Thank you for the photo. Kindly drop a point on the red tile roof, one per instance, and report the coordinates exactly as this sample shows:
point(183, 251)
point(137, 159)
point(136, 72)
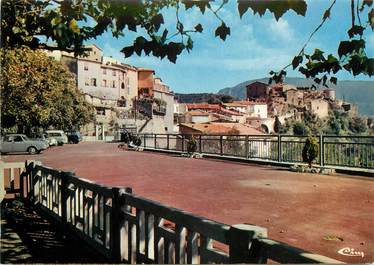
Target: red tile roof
point(221, 128)
point(202, 106)
point(198, 113)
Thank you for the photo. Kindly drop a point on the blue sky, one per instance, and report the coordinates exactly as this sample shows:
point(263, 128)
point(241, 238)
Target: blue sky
point(256, 46)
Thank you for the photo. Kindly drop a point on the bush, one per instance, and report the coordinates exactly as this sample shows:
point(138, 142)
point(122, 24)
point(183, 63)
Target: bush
point(277, 125)
point(310, 150)
point(191, 145)
point(299, 128)
point(136, 140)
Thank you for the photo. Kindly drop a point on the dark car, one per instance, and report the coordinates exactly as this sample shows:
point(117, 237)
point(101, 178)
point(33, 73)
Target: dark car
point(74, 137)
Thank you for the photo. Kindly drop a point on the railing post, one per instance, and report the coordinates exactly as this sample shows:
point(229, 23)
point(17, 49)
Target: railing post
point(321, 151)
point(144, 145)
point(64, 195)
point(242, 244)
point(279, 148)
point(182, 143)
point(221, 144)
point(115, 228)
point(247, 147)
point(2, 184)
point(155, 140)
point(167, 137)
point(200, 148)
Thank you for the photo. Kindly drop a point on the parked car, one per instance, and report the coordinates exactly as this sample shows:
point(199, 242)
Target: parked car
point(40, 137)
point(59, 135)
point(74, 137)
point(12, 143)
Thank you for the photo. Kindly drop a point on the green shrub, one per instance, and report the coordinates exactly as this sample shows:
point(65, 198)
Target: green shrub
point(191, 145)
point(310, 150)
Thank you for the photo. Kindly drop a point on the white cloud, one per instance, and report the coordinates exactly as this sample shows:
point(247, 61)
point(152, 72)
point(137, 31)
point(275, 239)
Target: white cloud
point(280, 29)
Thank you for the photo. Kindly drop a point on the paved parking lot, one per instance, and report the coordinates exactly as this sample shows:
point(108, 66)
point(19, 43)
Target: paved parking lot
point(301, 209)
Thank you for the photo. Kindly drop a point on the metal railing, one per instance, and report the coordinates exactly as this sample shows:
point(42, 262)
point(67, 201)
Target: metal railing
point(334, 151)
point(127, 228)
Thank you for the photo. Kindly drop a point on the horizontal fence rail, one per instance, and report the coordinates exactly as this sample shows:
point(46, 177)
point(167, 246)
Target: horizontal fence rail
point(355, 152)
point(126, 228)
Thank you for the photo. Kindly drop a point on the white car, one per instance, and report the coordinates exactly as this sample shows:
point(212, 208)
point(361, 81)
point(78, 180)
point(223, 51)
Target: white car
point(56, 137)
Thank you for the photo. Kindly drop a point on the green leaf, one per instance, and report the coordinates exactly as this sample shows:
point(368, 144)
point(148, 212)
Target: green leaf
point(371, 18)
point(128, 51)
point(174, 49)
point(139, 45)
point(243, 7)
point(164, 35)
point(202, 4)
point(296, 61)
point(318, 55)
point(189, 45)
point(278, 8)
point(157, 20)
point(356, 30)
point(199, 28)
point(317, 80)
point(74, 26)
point(333, 80)
point(370, 66)
point(348, 47)
point(222, 31)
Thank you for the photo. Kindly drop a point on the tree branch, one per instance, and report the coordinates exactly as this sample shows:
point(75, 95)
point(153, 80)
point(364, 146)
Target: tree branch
point(314, 32)
point(353, 12)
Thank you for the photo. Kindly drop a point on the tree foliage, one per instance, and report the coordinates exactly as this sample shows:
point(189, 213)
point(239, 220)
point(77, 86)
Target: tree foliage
point(310, 150)
point(69, 23)
point(277, 125)
point(39, 92)
point(299, 128)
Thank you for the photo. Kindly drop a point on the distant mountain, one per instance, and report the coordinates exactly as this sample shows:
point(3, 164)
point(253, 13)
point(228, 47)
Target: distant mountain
point(360, 93)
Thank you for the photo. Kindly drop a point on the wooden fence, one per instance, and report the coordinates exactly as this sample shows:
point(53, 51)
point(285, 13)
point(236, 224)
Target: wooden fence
point(126, 228)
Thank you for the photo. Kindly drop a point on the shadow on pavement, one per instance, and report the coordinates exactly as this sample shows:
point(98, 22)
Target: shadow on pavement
point(26, 237)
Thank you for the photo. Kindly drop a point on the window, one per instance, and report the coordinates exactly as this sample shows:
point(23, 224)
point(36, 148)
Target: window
point(104, 71)
point(122, 85)
point(93, 81)
point(113, 84)
point(18, 138)
point(104, 84)
point(87, 81)
point(86, 66)
point(114, 73)
point(100, 111)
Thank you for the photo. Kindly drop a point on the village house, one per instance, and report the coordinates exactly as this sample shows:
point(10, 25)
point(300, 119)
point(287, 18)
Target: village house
point(197, 116)
point(117, 86)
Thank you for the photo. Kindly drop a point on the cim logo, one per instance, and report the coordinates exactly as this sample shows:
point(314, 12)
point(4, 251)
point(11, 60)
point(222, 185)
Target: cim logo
point(351, 252)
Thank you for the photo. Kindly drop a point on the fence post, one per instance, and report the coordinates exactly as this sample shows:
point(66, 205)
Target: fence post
point(279, 148)
point(200, 148)
point(242, 244)
point(144, 145)
point(221, 144)
point(2, 184)
point(247, 147)
point(115, 228)
point(64, 194)
point(182, 143)
point(155, 136)
point(321, 151)
point(167, 137)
